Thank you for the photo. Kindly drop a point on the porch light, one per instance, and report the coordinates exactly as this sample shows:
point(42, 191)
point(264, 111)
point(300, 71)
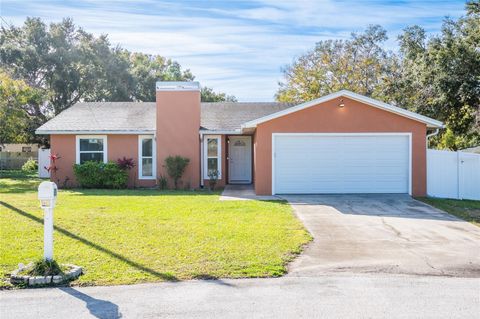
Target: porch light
point(341, 104)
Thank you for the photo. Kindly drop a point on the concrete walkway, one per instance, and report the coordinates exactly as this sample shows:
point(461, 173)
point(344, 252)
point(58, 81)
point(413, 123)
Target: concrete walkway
point(243, 192)
point(383, 234)
point(347, 296)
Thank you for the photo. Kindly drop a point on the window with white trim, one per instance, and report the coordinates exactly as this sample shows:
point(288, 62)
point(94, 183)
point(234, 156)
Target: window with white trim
point(146, 157)
point(212, 155)
point(91, 148)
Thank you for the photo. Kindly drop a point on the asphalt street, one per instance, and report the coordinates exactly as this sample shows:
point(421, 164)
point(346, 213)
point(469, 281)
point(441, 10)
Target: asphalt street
point(332, 296)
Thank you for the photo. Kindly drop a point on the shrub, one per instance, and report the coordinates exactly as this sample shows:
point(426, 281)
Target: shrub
point(30, 165)
point(162, 182)
point(176, 166)
point(100, 175)
point(89, 174)
point(213, 179)
point(126, 163)
point(114, 176)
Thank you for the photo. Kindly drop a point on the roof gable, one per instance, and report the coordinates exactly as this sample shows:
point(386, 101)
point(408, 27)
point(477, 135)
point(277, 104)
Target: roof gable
point(354, 96)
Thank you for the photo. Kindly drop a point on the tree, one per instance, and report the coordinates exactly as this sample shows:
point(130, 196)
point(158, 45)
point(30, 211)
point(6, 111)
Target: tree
point(440, 78)
point(147, 69)
point(357, 64)
point(65, 64)
point(64, 61)
point(208, 95)
point(17, 120)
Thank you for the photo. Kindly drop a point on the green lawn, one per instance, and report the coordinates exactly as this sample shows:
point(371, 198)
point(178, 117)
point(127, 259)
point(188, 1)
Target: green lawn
point(468, 210)
point(133, 236)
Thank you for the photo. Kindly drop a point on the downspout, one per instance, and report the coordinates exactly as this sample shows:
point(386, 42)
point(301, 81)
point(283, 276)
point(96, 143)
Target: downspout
point(432, 134)
point(201, 160)
point(426, 150)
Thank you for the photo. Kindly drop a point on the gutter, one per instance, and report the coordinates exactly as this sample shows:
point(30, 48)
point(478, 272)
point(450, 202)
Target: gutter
point(92, 132)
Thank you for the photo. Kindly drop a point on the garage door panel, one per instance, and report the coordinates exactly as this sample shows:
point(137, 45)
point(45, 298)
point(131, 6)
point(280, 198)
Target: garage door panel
point(341, 164)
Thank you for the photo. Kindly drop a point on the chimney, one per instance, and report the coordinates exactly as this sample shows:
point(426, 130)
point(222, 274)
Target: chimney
point(178, 124)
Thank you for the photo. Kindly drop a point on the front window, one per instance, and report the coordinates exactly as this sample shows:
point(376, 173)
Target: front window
point(212, 155)
point(146, 157)
point(91, 148)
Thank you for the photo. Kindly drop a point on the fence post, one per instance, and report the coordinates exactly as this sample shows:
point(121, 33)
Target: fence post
point(458, 175)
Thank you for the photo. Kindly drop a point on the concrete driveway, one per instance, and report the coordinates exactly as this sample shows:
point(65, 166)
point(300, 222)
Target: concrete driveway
point(383, 234)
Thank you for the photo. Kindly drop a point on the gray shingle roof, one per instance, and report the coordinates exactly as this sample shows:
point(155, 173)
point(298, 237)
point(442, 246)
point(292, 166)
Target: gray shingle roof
point(231, 115)
point(104, 116)
point(140, 116)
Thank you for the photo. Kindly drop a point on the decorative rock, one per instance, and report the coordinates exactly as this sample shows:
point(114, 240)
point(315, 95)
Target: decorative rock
point(57, 279)
point(73, 273)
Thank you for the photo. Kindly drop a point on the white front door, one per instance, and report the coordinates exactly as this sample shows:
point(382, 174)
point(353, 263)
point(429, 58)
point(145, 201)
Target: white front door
point(240, 159)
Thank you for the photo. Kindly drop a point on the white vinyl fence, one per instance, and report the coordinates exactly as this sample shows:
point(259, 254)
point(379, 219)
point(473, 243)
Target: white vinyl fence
point(43, 162)
point(453, 174)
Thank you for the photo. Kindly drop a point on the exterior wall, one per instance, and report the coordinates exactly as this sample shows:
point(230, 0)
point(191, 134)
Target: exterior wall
point(63, 146)
point(178, 124)
point(118, 147)
point(127, 145)
point(327, 117)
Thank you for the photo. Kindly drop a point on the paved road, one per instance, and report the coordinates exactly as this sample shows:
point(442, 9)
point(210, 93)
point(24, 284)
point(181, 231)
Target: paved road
point(340, 296)
point(383, 234)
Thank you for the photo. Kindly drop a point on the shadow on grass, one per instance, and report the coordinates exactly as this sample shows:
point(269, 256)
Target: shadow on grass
point(98, 308)
point(140, 192)
point(164, 276)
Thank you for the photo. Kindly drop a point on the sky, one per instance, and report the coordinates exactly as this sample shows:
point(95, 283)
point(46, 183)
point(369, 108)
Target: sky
point(236, 47)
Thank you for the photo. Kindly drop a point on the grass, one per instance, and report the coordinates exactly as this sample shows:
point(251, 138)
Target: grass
point(134, 236)
point(468, 210)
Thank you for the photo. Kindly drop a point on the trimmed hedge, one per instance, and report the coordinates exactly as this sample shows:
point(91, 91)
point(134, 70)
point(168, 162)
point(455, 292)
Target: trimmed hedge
point(93, 174)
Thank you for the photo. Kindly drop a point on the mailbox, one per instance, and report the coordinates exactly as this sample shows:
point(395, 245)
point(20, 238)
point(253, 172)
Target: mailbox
point(47, 194)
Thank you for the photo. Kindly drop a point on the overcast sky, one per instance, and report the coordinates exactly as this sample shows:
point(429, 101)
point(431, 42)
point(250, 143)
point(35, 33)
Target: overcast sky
point(237, 47)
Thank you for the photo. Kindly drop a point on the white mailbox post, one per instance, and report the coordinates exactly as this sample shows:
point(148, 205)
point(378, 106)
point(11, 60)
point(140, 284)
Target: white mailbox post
point(47, 194)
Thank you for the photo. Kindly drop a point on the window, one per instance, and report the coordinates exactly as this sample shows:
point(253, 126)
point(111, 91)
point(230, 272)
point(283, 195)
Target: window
point(212, 155)
point(146, 157)
point(91, 148)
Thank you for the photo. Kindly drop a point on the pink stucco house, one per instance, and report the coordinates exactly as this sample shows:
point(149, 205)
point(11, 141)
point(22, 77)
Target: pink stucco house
point(339, 143)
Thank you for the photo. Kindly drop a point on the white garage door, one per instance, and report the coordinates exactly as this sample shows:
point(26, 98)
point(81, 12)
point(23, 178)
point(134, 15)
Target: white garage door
point(344, 163)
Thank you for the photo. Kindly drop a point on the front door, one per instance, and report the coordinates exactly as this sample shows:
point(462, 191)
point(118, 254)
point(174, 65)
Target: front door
point(240, 159)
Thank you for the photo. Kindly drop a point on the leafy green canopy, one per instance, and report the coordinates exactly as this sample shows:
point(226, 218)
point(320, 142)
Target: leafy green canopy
point(61, 64)
point(19, 104)
point(438, 76)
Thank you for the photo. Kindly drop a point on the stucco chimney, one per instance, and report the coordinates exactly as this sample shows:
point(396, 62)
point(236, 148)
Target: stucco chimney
point(178, 124)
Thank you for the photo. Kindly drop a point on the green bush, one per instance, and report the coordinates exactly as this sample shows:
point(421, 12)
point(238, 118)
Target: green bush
point(162, 182)
point(100, 175)
point(30, 166)
point(176, 165)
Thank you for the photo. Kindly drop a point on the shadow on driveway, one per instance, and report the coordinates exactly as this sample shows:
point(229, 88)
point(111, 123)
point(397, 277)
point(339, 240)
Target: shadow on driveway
point(102, 309)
